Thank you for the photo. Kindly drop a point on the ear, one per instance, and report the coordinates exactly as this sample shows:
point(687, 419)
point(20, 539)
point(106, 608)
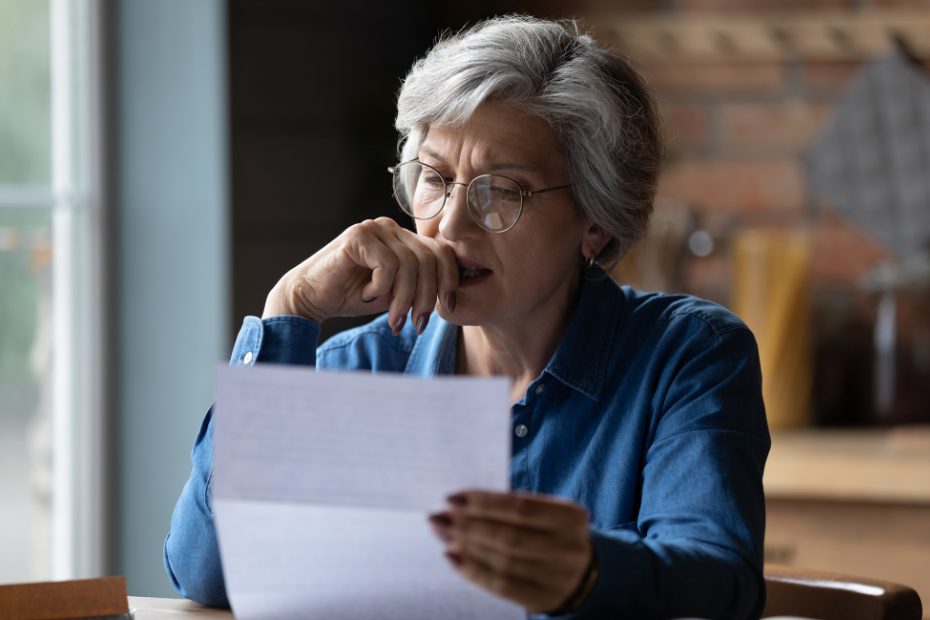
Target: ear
point(595, 238)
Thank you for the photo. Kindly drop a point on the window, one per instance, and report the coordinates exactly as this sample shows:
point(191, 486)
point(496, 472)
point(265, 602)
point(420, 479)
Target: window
point(51, 257)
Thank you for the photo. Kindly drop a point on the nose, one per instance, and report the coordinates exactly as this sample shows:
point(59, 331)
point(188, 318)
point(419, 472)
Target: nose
point(456, 221)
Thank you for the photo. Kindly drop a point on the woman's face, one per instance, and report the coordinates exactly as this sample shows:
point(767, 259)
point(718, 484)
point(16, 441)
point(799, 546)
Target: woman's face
point(532, 269)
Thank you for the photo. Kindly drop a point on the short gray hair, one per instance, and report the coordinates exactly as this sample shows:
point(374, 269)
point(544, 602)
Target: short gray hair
point(599, 107)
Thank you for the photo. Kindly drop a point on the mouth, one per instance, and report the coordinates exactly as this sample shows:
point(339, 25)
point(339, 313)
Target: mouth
point(471, 272)
point(466, 272)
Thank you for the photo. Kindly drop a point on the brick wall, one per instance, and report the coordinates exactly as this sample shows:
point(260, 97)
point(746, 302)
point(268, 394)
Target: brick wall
point(737, 134)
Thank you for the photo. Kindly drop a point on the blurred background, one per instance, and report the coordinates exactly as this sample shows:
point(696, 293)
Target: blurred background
point(163, 163)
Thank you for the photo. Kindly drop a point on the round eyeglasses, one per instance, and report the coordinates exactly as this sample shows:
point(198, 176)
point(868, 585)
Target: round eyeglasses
point(495, 202)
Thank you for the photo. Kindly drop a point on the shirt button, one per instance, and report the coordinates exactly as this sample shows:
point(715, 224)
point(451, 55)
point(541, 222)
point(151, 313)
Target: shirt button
point(521, 430)
point(247, 358)
point(540, 388)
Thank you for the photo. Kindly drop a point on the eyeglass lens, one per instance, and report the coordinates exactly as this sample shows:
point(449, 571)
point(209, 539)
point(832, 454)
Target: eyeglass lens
point(494, 202)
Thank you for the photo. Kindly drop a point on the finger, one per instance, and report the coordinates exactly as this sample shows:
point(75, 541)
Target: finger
point(377, 247)
point(537, 571)
point(448, 275)
point(515, 541)
point(528, 509)
point(405, 282)
point(368, 250)
point(530, 594)
point(426, 291)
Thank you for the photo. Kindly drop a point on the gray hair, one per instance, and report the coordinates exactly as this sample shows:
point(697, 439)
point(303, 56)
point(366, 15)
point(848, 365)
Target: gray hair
point(603, 116)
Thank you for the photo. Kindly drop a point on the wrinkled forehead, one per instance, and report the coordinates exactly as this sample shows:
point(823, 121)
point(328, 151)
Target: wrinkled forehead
point(494, 133)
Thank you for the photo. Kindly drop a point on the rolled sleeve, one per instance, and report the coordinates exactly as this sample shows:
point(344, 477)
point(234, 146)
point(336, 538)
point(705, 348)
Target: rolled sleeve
point(276, 340)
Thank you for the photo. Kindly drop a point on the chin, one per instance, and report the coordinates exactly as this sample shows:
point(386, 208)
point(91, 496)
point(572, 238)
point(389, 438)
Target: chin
point(462, 315)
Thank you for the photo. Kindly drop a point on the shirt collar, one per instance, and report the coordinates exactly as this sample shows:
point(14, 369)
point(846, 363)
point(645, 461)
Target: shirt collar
point(434, 351)
point(581, 359)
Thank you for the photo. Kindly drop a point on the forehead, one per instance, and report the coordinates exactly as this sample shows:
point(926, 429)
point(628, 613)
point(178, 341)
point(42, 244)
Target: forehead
point(496, 133)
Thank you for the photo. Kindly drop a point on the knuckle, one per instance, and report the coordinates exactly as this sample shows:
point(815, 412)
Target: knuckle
point(364, 226)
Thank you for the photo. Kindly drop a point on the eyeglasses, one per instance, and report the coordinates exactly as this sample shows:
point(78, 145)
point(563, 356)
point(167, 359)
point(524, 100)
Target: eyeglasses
point(495, 202)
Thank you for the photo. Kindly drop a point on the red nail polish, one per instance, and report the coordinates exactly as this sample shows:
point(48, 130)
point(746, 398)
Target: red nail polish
point(458, 500)
point(443, 534)
point(442, 519)
point(421, 323)
point(450, 301)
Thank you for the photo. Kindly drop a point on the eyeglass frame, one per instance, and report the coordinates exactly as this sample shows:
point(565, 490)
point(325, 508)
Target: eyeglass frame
point(447, 192)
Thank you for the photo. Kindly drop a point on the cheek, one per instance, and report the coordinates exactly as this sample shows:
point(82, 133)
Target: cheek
point(524, 259)
point(544, 263)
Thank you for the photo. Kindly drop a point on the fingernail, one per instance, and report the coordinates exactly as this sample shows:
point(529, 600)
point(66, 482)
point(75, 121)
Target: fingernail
point(455, 558)
point(399, 323)
point(458, 500)
point(442, 534)
point(368, 300)
point(421, 323)
point(441, 524)
point(450, 301)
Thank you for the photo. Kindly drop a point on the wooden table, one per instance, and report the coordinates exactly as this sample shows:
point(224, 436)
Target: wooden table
point(145, 608)
point(175, 609)
point(854, 502)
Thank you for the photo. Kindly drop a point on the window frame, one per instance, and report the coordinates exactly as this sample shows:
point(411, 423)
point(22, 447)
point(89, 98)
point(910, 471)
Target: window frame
point(79, 250)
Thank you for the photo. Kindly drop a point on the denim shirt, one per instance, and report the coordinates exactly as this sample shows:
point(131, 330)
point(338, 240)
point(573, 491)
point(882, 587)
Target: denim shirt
point(649, 414)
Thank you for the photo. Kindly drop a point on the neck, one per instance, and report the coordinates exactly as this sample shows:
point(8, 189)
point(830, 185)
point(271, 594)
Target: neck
point(518, 349)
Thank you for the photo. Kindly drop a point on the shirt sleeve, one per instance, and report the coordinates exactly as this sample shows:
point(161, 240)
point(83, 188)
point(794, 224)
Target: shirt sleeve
point(696, 549)
point(191, 553)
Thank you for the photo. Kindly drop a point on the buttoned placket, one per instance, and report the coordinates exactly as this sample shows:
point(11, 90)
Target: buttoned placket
point(524, 425)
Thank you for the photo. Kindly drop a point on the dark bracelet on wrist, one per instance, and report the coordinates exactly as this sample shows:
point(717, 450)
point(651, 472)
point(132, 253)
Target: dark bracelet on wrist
point(580, 594)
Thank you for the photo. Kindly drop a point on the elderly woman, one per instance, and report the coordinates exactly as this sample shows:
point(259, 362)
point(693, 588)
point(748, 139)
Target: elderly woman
point(529, 161)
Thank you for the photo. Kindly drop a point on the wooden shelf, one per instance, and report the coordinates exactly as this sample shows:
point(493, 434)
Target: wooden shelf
point(810, 35)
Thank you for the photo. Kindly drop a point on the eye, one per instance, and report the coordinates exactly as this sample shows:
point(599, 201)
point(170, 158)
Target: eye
point(505, 191)
point(432, 180)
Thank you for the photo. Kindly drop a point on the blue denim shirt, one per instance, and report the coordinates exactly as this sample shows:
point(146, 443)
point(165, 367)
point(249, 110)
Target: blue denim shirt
point(649, 414)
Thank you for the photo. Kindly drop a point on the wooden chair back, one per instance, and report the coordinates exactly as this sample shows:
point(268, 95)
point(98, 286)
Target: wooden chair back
point(832, 596)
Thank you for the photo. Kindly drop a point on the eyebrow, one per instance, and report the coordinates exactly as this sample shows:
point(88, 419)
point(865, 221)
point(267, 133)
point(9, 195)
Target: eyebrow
point(493, 165)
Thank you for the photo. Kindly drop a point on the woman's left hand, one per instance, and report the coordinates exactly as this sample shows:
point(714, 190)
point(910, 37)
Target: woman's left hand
point(531, 549)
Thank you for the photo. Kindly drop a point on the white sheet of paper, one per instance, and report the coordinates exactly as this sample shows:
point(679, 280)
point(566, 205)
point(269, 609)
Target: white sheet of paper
point(322, 482)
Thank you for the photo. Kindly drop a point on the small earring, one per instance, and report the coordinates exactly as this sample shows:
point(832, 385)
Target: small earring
point(589, 262)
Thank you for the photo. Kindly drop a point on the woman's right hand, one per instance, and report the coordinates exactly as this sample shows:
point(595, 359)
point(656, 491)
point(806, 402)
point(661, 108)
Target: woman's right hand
point(373, 266)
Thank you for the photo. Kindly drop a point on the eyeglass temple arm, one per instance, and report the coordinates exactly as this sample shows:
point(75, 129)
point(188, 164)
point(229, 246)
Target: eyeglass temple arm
point(530, 192)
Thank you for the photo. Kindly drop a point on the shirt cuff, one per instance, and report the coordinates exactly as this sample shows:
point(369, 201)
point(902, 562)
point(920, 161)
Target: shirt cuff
point(276, 340)
point(616, 580)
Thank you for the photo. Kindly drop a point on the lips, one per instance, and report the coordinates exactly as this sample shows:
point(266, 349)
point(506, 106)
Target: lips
point(469, 269)
point(465, 273)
